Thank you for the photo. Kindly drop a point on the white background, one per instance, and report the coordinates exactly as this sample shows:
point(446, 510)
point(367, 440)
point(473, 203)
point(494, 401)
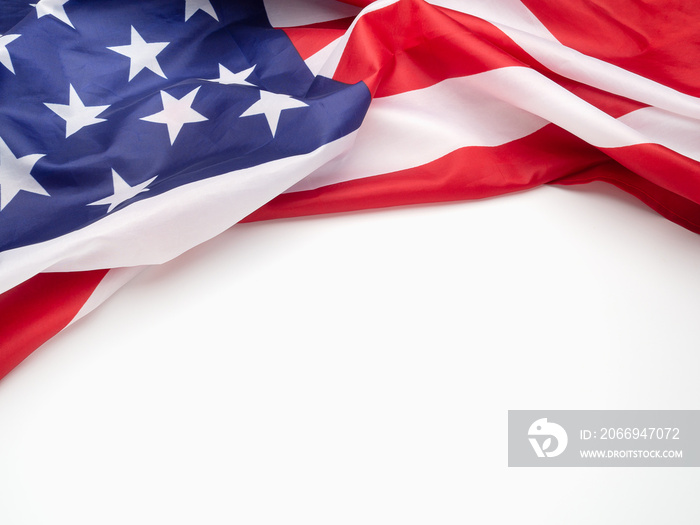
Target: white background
point(358, 369)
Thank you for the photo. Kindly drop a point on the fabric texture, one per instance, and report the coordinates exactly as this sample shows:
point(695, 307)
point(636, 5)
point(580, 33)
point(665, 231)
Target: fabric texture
point(132, 131)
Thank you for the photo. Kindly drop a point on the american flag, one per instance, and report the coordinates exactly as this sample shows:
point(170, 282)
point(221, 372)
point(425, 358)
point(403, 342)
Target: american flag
point(133, 131)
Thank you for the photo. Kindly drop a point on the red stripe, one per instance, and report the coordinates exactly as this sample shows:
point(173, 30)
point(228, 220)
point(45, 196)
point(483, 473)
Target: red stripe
point(466, 173)
point(412, 45)
point(657, 39)
point(674, 207)
point(665, 180)
point(37, 309)
point(393, 54)
point(613, 105)
point(662, 167)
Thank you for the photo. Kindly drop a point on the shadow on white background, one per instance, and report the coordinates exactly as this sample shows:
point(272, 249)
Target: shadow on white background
point(359, 368)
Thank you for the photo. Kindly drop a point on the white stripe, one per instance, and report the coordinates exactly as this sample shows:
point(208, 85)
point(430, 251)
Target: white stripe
point(516, 21)
point(678, 133)
point(162, 227)
point(316, 62)
point(487, 109)
point(527, 89)
point(113, 280)
point(511, 14)
point(291, 13)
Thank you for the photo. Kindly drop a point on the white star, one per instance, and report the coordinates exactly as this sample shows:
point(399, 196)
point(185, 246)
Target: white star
point(271, 105)
point(4, 53)
point(76, 114)
point(53, 7)
point(142, 54)
point(122, 192)
point(228, 78)
point(176, 113)
point(192, 6)
point(15, 175)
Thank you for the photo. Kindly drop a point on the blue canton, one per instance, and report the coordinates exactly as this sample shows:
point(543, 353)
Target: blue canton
point(104, 103)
